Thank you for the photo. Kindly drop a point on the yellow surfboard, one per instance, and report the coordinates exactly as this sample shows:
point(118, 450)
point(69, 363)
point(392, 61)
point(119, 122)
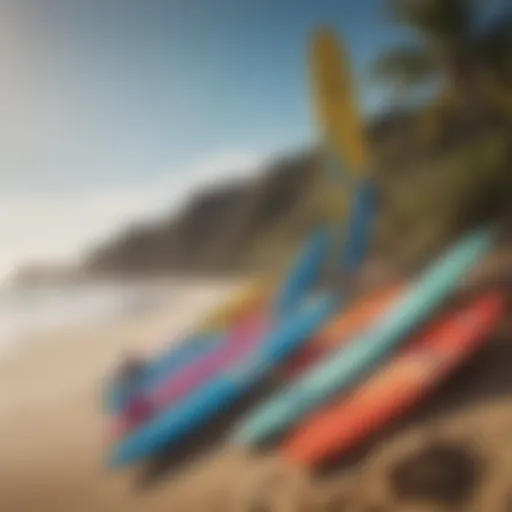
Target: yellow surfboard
point(335, 100)
point(345, 154)
point(248, 299)
point(342, 133)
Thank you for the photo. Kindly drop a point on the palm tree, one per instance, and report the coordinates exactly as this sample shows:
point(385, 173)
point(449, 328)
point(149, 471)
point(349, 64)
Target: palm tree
point(450, 48)
point(496, 46)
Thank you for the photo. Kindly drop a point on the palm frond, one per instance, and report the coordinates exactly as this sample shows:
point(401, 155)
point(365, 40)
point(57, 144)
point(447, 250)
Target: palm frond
point(406, 66)
point(437, 19)
point(495, 47)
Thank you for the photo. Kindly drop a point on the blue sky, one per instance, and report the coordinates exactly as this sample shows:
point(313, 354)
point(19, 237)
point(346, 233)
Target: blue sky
point(116, 109)
point(141, 85)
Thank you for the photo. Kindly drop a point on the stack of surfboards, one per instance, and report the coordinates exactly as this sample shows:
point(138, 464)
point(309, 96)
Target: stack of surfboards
point(345, 368)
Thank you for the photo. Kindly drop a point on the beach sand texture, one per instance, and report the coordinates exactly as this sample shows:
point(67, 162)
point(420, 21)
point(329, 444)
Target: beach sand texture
point(52, 452)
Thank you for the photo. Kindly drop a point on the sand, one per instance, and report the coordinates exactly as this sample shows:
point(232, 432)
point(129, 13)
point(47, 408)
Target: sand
point(52, 443)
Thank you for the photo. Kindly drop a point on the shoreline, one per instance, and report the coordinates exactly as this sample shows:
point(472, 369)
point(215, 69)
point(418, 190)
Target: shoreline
point(50, 402)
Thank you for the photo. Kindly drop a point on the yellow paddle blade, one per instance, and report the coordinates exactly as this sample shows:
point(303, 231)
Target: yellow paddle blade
point(336, 102)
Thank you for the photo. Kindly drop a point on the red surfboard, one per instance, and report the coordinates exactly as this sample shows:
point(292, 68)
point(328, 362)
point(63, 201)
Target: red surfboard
point(396, 388)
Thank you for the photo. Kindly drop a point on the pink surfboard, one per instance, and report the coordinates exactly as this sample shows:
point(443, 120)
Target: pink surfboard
point(244, 338)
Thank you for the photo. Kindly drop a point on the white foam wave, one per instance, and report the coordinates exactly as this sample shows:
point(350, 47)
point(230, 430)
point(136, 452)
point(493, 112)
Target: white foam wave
point(26, 312)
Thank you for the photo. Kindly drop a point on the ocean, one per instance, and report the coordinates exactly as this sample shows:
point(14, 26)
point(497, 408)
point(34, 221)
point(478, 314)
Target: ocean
point(27, 311)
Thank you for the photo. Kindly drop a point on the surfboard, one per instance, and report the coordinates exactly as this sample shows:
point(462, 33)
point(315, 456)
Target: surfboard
point(345, 155)
point(341, 329)
point(156, 370)
point(251, 297)
point(399, 386)
point(292, 330)
point(345, 367)
point(286, 337)
point(335, 99)
point(209, 335)
point(172, 425)
point(174, 359)
point(244, 338)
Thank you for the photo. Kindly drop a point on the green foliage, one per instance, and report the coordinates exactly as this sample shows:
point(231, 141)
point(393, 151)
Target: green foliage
point(437, 19)
point(449, 47)
point(468, 184)
point(405, 66)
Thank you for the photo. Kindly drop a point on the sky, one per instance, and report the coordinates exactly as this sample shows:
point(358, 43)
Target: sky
point(114, 110)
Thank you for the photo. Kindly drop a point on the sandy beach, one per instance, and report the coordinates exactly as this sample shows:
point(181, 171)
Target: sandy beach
point(53, 431)
point(53, 442)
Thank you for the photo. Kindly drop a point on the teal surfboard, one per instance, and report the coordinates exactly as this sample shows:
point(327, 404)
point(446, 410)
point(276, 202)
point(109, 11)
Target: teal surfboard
point(344, 368)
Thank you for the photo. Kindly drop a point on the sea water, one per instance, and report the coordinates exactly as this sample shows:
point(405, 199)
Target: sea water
point(27, 311)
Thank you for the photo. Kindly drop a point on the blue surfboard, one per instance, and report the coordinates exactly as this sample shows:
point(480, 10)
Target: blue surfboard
point(173, 424)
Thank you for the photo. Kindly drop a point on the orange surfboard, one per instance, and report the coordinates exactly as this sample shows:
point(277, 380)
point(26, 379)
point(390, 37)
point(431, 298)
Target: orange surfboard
point(398, 386)
point(353, 320)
